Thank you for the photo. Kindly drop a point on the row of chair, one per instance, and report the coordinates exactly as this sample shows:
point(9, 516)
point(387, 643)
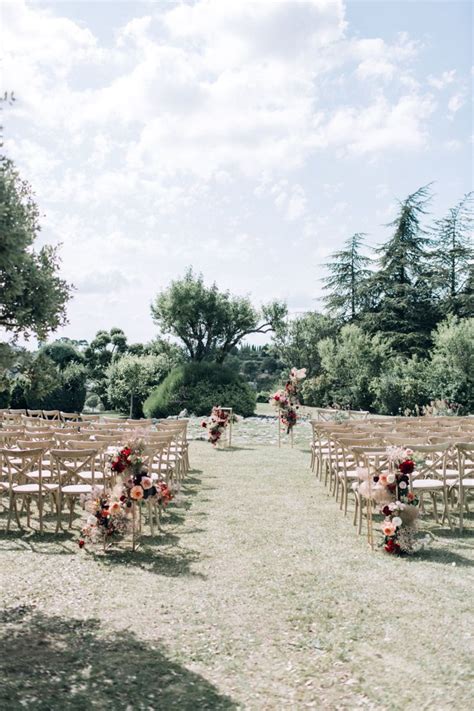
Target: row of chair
point(66, 466)
point(443, 448)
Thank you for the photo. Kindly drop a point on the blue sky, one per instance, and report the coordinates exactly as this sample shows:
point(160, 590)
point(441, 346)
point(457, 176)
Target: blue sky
point(247, 139)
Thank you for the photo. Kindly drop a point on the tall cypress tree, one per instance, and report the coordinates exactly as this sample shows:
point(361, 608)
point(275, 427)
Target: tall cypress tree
point(348, 273)
point(453, 257)
point(405, 306)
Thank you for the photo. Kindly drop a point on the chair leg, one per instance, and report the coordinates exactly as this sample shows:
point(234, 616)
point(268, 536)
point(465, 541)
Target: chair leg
point(72, 501)
point(40, 512)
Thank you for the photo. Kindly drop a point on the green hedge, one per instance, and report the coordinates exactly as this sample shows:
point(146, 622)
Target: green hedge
point(197, 387)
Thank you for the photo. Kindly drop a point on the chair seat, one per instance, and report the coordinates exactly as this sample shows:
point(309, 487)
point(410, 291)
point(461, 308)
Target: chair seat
point(33, 488)
point(88, 475)
point(45, 474)
point(76, 489)
point(428, 484)
point(348, 475)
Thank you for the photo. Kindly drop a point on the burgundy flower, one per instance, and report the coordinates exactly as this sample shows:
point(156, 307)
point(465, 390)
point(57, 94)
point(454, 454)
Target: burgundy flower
point(81, 543)
point(407, 467)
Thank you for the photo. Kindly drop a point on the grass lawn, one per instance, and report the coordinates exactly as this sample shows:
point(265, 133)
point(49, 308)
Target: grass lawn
point(259, 595)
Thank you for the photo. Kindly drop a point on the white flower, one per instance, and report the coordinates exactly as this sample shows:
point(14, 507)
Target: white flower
point(402, 485)
point(397, 521)
point(392, 506)
point(390, 478)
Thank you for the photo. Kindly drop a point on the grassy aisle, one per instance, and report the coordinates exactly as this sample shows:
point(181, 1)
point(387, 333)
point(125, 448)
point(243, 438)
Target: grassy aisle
point(259, 596)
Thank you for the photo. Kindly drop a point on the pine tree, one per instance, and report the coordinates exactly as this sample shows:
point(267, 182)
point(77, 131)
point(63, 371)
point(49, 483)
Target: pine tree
point(348, 275)
point(453, 257)
point(405, 306)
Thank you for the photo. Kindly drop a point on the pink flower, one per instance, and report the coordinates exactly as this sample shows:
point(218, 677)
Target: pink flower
point(388, 528)
point(136, 493)
point(115, 508)
point(146, 482)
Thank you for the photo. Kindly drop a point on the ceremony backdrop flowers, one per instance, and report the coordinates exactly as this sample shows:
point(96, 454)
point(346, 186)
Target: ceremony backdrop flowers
point(287, 399)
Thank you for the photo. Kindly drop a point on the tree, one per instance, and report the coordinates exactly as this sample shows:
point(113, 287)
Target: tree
point(106, 347)
point(131, 379)
point(348, 273)
point(453, 258)
point(62, 352)
point(210, 323)
point(32, 296)
point(296, 341)
point(451, 369)
point(350, 363)
point(403, 287)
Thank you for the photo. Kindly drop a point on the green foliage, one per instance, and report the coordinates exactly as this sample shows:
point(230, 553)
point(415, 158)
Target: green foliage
point(453, 258)
point(62, 353)
point(132, 377)
point(296, 341)
point(210, 323)
point(351, 362)
point(402, 386)
point(44, 385)
point(33, 297)
point(348, 276)
point(198, 387)
point(93, 401)
point(405, 309)
point(451, 371)
point(106, 347)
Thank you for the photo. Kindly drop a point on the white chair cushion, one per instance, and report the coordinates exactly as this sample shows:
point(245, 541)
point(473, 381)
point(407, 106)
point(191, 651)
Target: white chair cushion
point(428, 484)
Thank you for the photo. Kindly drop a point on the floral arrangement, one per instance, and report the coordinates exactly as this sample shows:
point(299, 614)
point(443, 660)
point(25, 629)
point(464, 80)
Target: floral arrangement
point(218, 421)
point(111, 513)
point(398, 504)
point(108, 517)
point(286, 400)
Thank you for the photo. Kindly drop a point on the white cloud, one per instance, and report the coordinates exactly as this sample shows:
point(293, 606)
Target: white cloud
point(207, 133)
point(455, 103)
point(443, 80)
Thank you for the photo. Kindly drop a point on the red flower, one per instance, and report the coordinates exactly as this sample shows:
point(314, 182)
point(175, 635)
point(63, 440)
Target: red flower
point(203, 424)
point(386, 511)
point(407, 467)
point(81, 543)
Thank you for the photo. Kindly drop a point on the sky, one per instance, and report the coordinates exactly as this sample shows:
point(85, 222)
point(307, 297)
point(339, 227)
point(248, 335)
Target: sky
point(245, 139)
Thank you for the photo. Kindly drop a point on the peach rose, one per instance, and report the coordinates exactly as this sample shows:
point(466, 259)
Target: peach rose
point(388, 528)
point(146, 482)
point(136, 493)
point(115, 508)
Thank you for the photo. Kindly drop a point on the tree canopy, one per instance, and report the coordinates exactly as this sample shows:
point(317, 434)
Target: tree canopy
point(209, 322)
point(32, 296)
point(348, 275)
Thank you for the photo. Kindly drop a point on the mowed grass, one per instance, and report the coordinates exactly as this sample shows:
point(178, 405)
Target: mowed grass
point(258, 595)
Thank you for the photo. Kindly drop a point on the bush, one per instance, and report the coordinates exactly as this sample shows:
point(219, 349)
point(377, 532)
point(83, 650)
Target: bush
point(198, 387)
point(263, 396)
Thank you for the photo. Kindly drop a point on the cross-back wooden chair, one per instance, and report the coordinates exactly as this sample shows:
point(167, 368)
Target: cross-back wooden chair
point(465, 482)
point(74, 470)
point(25, 480)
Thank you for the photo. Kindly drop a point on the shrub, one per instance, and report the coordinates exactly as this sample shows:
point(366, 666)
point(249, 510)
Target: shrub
point(198, 387)
point(263, 396)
